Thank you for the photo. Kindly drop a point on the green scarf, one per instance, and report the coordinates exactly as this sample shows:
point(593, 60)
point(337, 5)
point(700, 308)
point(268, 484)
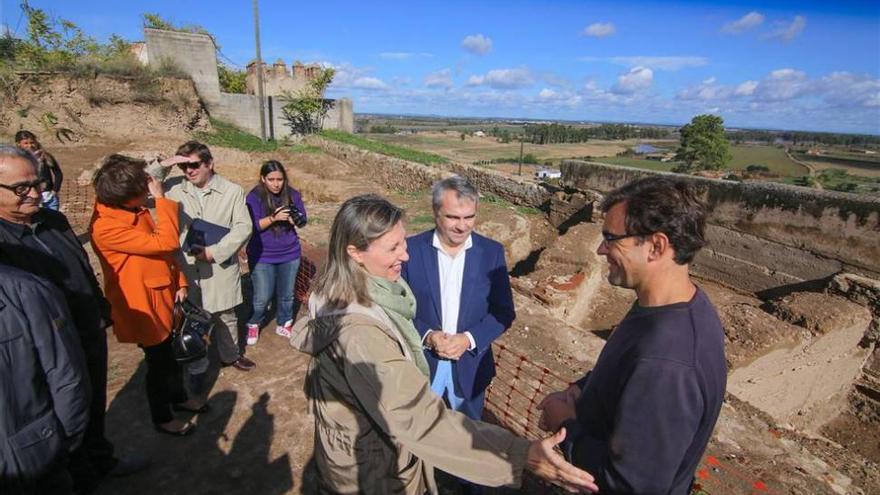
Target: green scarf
point(399, 303)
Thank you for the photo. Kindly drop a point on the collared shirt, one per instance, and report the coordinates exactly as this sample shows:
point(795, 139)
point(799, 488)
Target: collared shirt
point(451, 271)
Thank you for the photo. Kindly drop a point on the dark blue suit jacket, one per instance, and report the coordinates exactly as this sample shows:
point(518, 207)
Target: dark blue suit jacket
point(486, 308)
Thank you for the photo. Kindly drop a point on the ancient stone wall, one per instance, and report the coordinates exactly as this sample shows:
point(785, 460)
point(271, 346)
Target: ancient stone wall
point(410, 176)
point(765, 236)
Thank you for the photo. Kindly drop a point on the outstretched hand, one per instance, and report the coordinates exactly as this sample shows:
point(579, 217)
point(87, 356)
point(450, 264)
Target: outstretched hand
point(550, 466)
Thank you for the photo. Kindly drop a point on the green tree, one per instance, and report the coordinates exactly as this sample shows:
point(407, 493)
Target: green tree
point(307, 108)
point(231, 80)
point(703, 145)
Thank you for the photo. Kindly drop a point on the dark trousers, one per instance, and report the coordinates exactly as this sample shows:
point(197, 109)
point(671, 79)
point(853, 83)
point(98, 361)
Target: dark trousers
point(93, 459)
point(164, 381)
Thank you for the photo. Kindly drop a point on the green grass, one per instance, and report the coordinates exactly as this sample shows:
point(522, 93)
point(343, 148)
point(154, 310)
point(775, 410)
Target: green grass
point(772, 157)
point(636, 163)
point(422, 220)
point(384, 148)
point(528, 211)
point(228, 135)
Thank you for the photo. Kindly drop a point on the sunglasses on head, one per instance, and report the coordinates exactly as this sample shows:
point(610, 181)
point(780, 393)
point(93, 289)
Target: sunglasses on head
point(189, 165)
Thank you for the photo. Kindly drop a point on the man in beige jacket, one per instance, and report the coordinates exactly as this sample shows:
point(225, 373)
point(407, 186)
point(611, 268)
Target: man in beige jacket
point(212, 270)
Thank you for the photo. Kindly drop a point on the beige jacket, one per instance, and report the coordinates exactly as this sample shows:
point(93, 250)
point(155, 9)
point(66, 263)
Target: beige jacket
point(216, 286)
point(379, 429)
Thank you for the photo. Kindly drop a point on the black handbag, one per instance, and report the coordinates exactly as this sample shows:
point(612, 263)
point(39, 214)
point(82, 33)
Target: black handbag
point(191, 332)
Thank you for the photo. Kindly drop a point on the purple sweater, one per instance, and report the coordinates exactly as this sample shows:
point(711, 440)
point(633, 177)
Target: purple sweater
point(270, 246)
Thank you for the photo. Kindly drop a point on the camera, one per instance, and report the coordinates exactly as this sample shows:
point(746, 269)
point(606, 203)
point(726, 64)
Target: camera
point(298, 218)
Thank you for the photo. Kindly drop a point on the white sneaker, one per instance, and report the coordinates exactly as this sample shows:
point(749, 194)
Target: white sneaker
point(253, 334)
point(284, 331)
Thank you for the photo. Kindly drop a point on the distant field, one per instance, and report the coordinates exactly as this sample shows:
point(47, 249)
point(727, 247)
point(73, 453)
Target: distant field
point(855, 164)
point(637, 163)
point(772, 157)
point(473, 149)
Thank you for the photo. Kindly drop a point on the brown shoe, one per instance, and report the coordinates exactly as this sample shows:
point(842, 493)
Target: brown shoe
point(244, 364)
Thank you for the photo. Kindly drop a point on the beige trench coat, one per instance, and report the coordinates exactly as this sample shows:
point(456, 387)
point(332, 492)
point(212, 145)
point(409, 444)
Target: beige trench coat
point(379, 428)
point(217, 285)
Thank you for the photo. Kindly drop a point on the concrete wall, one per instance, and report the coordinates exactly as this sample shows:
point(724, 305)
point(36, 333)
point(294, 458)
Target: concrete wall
point(762, 235)
point(243, 112)
point(193, 53)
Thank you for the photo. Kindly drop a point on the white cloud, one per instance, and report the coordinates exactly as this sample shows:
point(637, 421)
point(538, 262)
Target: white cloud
point(439, 79)
point(786, 32)
point(781, 85)
point(670, 63)
point(599, 30)
point(844, 89)
point(476, 80)
point(749, 21)
point(547, 94)
point(404, 55)
point(637, 79)
point(369, 83)
point(746, 88)
point(477, 44)
point(503, 79)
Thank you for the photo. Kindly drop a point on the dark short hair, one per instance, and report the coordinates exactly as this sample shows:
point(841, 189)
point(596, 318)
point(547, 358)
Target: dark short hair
point(23, 134)
point(119, 180)
point(662, 204)
point(195, 147)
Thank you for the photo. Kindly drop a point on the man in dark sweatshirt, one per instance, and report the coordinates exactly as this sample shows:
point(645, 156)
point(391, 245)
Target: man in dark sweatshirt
point(640, 420)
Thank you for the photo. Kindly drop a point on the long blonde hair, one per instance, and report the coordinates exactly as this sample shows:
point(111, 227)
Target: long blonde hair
point(360, 221)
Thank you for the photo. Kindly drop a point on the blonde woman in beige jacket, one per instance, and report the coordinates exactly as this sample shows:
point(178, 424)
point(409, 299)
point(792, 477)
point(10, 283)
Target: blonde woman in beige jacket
point(379, 429)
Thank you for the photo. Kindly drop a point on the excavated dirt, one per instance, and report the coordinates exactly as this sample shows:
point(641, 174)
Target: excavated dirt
point(258, 436)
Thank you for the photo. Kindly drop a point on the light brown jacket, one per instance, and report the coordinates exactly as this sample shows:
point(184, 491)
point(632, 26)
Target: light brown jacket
point(379, 428)
point(215, 286)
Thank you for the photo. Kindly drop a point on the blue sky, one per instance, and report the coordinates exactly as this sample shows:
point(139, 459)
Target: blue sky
point(788, 65)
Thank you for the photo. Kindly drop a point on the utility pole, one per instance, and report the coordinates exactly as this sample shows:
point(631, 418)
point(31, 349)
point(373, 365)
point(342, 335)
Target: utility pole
point(520, 156)
point(259, 74)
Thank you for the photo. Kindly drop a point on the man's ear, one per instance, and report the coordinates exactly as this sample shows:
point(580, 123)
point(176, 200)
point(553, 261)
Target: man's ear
point(660, 246)
point(355, 254)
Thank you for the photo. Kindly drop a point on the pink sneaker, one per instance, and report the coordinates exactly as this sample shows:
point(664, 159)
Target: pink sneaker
point(284, 331)
point(253, 334)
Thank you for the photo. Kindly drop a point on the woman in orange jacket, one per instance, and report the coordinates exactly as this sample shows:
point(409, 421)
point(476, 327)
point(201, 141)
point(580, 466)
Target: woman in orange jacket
point(142, 280)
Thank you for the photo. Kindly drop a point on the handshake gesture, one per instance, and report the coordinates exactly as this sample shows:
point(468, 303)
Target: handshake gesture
point(447, 346)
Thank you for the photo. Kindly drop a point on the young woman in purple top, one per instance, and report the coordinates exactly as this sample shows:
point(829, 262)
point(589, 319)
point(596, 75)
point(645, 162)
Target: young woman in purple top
point(274, 251)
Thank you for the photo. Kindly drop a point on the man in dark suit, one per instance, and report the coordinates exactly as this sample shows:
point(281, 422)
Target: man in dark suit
point(44, 389)
point(460, 281)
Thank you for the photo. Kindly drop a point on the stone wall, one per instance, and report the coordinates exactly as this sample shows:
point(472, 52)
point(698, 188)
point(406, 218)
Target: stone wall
point(765, 236)
point(195, 55)
point(410, 176)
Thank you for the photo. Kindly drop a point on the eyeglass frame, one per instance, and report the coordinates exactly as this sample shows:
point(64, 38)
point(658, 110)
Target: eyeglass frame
point(39, 185)
point(608, 237)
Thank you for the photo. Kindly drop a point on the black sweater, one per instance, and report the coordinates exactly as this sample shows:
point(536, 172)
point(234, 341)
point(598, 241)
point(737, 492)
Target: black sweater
point(648, 407)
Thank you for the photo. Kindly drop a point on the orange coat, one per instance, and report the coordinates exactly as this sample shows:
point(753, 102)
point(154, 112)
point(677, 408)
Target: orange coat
point(141, 275)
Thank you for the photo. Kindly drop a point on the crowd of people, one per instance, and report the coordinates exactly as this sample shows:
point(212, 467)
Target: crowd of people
point(399, 330)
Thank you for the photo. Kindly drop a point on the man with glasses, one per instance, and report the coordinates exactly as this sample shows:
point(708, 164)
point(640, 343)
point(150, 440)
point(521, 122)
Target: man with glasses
point(640, 420)
point(41, 241)
point(212, 269)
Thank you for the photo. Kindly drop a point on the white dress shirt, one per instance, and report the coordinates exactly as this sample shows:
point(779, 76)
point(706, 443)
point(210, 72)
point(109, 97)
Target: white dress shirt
point(451, 271)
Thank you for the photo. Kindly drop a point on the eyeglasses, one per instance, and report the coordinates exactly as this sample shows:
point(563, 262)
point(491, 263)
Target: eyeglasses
point(22, 189)
point(608, 237)
point(189, 165)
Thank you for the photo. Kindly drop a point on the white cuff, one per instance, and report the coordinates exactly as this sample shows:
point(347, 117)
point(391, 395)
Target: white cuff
point(425, 337)
point(471, 339)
